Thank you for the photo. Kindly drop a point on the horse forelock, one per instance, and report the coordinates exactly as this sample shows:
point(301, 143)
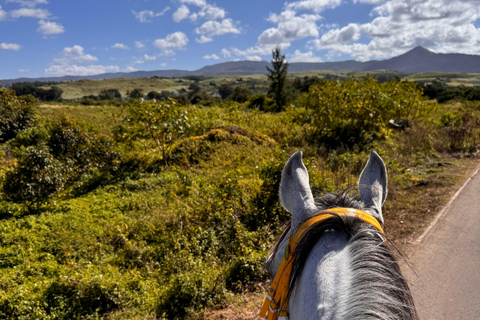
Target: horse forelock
point(378, 290)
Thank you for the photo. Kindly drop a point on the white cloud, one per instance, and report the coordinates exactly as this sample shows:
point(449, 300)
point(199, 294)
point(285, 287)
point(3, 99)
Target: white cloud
point(158, 14)
point(181, 13)
point(253, 53)
point(144, 16)
point(70, 60)
point(346, 34)
point(48, 27)
point(316, 6)
point(120, 46)
point(290, 27)
point(10, 46)
point(210, 12)
point(148, 15)
point(203, 39)
point(399, 25)
point(198, 3)
point(207, 11)
point(177, 40)
point(74, 54)
point(29, 3)
point(298, 56)
point(3, 14)
point(25, 70)
point(149, 58)
point(215, 28)
point(139, 44)
point(30, 13)
point(130, 69)
point(225, 53)
point(76, 70)
point(369, 1)
point(211, 56)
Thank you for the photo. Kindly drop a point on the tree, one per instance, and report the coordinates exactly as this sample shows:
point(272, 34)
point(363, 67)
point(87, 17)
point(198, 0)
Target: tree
point(277, 77)
point(110, 94)
point(225, 91)
point(156, 124)
point(15, 115)
point(135, 94)
point(241, 94)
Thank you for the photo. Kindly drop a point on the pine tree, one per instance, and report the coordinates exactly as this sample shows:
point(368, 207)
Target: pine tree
point(278, 77)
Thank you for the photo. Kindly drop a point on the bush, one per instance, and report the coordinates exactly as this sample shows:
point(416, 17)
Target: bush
point(72, 299)
point(241, 94)
point(110, 94)
point(37, 177)
point(156, 124)
point(51, 160)
point(15, 115)
point(259, 101)
point(354, 113)
point(244, 270)
point(189, 292)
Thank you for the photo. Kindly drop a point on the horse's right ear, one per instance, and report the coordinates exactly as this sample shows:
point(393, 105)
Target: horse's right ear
point(373, 185)
point(295, 194)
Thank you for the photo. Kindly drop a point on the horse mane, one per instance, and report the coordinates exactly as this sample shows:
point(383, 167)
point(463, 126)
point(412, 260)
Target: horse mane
point(379, 290)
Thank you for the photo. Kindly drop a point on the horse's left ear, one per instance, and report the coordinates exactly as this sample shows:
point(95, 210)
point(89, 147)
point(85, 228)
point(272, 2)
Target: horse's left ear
point(295, 194)
point(373, 185)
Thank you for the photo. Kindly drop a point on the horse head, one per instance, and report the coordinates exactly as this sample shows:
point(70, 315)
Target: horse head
point(333, 261)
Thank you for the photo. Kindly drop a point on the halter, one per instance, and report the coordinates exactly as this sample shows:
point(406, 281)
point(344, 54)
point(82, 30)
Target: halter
point(275, 306)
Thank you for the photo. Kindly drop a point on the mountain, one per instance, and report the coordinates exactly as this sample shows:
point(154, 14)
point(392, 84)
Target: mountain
point(416, 60)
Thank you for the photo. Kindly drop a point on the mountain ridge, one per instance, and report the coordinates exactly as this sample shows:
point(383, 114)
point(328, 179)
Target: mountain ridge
point(416, 60)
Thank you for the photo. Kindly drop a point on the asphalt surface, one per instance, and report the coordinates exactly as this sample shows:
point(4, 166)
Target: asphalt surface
point(446, 265)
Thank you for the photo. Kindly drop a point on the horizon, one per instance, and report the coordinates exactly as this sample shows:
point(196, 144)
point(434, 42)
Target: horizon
point(50, 38)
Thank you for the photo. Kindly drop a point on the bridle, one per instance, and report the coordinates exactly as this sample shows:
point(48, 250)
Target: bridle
point(275, 306)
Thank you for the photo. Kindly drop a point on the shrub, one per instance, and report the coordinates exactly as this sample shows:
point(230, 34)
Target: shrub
point(188, 292)
point(110, 94)
point(37, 177)
point(72, 299)
point(241, 94)
point(259, 101)
point(459, 133)
point(15, 115)
point(51, 160)
point(354, 113)
point(84, 151)
point(266, 202)
point(156, 124)
point(244, 270)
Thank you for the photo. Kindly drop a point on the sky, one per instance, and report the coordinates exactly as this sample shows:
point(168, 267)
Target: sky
point(45, 38)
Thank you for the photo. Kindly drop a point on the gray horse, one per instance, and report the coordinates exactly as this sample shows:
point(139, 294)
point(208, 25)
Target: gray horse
point(343, 267)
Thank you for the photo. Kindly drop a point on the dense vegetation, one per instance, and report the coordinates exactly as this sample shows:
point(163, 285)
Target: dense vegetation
point(174, 206)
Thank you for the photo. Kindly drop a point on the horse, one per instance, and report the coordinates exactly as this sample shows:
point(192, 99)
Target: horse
point(341, 267)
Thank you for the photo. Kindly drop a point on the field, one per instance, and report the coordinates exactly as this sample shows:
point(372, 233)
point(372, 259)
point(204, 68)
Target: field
point(78, 89)
point(180, 229)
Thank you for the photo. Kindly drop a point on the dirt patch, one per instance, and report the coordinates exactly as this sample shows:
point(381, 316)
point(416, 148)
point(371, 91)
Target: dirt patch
point(245, 306)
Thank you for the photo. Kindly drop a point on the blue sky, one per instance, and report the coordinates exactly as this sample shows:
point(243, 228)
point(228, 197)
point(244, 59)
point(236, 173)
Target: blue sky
point(56, 37)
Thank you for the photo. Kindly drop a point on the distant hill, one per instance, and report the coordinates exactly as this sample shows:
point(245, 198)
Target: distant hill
point(416, 60)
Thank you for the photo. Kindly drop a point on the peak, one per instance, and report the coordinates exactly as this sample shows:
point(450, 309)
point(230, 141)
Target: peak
point(419, 49)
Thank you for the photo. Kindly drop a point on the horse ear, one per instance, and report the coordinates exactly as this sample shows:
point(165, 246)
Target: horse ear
point(295, 194)
point(373, 185)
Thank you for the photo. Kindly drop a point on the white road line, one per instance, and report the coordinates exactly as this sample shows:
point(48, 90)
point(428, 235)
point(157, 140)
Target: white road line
point(444, 209)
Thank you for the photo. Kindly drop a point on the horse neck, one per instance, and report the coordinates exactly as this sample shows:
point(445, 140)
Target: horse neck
point(324, 284)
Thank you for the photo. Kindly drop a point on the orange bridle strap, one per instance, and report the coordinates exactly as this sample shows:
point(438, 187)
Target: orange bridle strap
point(276, 302)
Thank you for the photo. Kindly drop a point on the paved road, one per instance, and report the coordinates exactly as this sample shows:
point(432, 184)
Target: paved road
point(447, 261)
